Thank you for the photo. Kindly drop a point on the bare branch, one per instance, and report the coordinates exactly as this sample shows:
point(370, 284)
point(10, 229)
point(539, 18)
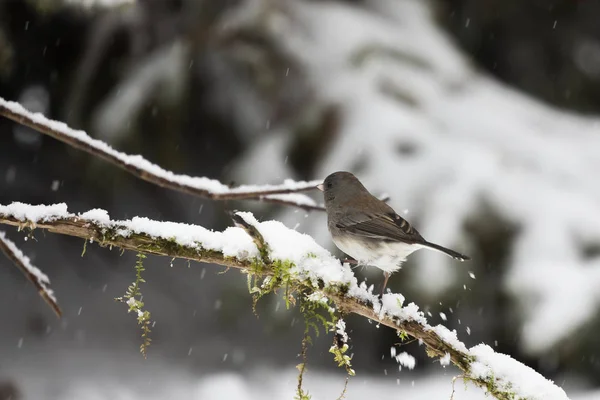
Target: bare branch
point(300, 202)
point(37, 277)
point(289, 193)
point(296, 199)
point(141, 168)
point(313, 274)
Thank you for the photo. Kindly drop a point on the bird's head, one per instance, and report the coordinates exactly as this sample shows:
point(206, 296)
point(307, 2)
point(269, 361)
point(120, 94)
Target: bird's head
point(340, 184)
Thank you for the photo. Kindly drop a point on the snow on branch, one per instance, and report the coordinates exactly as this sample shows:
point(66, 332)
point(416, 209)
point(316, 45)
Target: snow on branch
point(287, 193)
point(99, 3)
point(37, 277)
point(312, 268)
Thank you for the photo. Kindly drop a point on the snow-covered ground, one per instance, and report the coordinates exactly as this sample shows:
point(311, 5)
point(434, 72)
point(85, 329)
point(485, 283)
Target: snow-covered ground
point(107, 378)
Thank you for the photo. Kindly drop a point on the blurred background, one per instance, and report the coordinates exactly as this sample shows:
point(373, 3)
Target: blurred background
point(478, 118)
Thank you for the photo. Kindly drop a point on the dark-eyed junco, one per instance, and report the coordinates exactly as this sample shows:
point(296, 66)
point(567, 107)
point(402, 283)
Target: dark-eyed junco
point(369, 230)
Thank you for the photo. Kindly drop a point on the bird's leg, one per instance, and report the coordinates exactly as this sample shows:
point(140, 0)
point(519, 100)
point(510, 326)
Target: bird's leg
point(351, 261)
point(386, 277)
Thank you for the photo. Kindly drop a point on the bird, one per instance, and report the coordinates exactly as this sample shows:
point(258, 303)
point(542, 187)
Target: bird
point(367, 229)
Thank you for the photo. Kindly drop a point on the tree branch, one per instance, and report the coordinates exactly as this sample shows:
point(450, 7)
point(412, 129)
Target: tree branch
point(253, 232)
point(313, 269)
point(37, 277)
point(141, 168)
point(289, 193)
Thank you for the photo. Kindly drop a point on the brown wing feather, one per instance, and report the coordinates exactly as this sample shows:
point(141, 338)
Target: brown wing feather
point(388, 226)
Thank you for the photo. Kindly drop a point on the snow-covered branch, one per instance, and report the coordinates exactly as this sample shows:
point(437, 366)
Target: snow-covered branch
point(312, 268)
point(287, 193)
point(37, 277)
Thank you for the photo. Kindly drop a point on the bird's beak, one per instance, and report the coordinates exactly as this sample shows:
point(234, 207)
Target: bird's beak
point(320, 187)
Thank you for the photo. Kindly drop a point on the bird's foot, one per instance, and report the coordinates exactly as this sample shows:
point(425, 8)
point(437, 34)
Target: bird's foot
point(385, 281)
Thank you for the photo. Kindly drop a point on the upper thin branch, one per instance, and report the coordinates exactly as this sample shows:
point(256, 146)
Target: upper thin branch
point(288, 193)
point(144, 169)
point(315, 270)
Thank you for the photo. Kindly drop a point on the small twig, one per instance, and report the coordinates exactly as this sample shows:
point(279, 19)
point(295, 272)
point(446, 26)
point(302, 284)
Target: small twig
point(35, 276)
point(307, 206)
point(301, 395)
point(405, 343)
point(343, 394)
point(453, 385)
point(257, 237)
point(275, 199)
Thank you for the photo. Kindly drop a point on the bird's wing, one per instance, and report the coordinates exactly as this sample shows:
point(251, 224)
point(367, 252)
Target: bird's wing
point(385, 226)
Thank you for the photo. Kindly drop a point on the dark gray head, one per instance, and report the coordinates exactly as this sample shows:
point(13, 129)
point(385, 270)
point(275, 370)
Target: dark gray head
point(341, 186)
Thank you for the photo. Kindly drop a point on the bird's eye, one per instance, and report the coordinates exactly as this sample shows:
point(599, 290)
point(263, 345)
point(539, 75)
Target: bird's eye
point(329, 185)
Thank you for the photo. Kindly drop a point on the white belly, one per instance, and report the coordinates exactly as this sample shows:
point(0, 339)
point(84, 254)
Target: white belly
point(386, 256)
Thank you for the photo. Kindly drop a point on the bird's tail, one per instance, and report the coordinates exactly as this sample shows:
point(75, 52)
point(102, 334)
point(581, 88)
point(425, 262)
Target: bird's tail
point(448, 252)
